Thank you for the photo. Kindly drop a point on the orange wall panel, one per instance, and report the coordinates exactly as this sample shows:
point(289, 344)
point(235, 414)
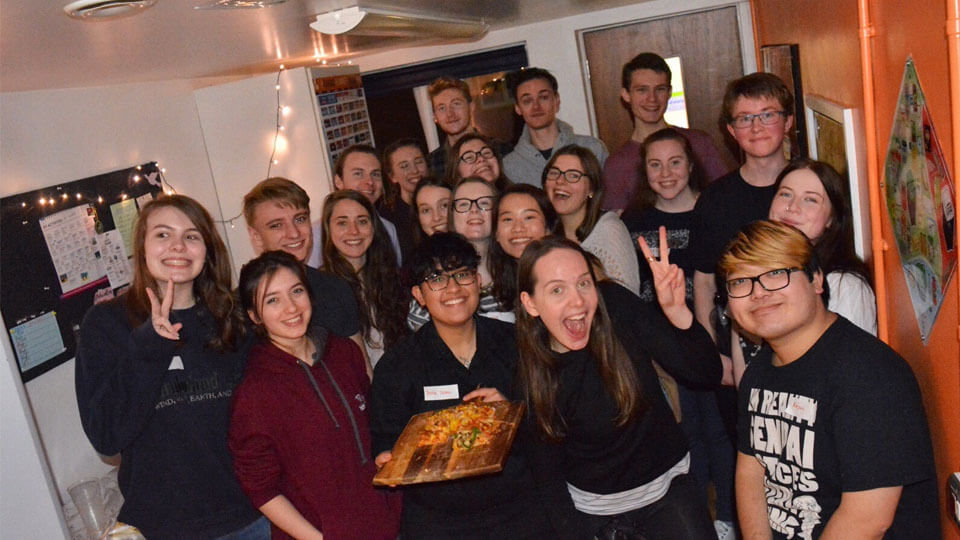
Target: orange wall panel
point(828, 35)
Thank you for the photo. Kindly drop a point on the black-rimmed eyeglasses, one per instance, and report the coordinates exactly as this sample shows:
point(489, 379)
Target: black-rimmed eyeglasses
point(570, 175)
point(774, 280)
point(470, 157)
point(484, 204)
point(439, 281)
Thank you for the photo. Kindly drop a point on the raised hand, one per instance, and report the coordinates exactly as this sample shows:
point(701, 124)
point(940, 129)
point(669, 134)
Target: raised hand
point(669, 282)
point(160, 313)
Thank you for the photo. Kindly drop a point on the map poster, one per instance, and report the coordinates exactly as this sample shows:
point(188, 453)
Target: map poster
point(919, 195)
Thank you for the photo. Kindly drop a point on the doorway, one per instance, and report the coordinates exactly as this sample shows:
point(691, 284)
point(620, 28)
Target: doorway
point(707, 44)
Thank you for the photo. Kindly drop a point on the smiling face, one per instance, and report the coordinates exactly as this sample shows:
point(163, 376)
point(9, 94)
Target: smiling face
point(280, 225)
point(475, 225)
point(486, 168)
point(537, 103)
point(648, 95)
point(361, 172)
point(519, 222)
point(351, 231)
point(433, 208)
point(455, 304)
point(173, 247)
point(564, 298)
point(407, 167)
point(569, 198)
point(284, 306)
point(777, 315)
point(802, 201)
point(759, 140)
point(668, 169)
point(451, 111)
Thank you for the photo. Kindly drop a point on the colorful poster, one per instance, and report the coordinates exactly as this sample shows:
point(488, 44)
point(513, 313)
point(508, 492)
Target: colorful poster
point(920, 195)
point(72, 242)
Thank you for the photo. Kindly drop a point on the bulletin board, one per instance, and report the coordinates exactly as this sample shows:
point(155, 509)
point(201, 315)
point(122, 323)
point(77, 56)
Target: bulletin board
point(62, 249)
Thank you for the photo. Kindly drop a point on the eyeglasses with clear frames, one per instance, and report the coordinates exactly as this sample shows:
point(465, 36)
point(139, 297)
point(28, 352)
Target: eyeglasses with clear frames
point(774, 280)
point(767, 118)
point(470, 157)
point(570, 175)
point(439, 281)
point(484, 204)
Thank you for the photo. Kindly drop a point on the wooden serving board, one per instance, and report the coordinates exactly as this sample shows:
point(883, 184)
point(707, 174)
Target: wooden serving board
point(432, 463)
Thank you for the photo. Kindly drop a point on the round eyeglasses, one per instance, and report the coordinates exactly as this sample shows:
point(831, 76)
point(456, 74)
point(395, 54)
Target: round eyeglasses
point(470, 157)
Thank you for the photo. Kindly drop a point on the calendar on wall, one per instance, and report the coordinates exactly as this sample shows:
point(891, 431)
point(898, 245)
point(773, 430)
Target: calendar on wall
point(343, 112)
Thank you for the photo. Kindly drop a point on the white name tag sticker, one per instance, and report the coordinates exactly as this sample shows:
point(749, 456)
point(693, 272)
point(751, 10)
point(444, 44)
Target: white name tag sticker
point(440, 393)
point(176, 363)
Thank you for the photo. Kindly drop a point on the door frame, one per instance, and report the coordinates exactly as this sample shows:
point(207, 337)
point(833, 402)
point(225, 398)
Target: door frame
point(748, 49)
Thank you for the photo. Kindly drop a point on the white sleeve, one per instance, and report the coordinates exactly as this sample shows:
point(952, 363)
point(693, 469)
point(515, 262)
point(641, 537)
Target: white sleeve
point(610, 241)
point(853, 298)
point(315, 259)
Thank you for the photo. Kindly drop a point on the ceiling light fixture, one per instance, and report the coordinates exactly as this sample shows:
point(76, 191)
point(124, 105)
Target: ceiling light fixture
point(339, 21)
point(239, 4)
point(99, 10)
point(387, 23)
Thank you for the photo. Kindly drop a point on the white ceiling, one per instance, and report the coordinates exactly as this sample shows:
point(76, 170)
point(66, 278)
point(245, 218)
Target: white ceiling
point(42, 48)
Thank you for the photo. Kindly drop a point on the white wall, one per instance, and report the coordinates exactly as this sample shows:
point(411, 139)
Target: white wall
point(553, 45)
point(27, 509)
point(239, 122)
point(49, 137)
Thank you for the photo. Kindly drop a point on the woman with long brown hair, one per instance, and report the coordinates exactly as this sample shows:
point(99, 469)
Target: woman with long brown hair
point(573, 180)
point(155, 371)
point(356, 248)
point(604, 447)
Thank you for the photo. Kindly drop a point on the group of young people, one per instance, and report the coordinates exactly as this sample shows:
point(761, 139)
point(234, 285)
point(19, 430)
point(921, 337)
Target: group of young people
point(603, 293)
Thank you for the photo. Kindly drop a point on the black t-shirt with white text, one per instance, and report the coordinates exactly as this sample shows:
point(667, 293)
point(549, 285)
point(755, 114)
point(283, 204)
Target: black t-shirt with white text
point(846, 416)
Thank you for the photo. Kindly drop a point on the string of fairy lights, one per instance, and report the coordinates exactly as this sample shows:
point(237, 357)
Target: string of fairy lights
point(64, 195)
point(48, 201)
point(278, 141)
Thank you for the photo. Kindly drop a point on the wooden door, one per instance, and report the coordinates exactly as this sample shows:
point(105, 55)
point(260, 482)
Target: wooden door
point(708, 44)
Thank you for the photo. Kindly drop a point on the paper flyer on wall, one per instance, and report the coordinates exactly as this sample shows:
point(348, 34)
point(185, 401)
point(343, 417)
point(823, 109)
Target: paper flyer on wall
point(115, 259)
point(37, 340)
point(919, 196)
point(72, 242)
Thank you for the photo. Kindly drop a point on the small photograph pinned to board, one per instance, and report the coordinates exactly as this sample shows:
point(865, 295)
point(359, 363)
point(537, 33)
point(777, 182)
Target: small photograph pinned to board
point(469, 439)
point(63, 248)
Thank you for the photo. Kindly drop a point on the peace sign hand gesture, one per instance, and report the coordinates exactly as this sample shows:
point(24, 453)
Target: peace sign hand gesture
point(669, 282)
point(160, 313)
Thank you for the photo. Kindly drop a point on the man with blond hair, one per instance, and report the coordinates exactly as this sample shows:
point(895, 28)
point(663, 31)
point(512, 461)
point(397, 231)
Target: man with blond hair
point(833, 441)
point(277, 212)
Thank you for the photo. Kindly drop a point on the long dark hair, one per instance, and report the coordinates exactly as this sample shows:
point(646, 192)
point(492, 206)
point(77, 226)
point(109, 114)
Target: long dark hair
point(539, 367)
point(645, 197)
point(211, 287)
point(420, 235)
point(503, 267)
point(835, 249)
point(261, 268)
point(380, 296)
point(594, 174)
point(453, 176)
point(391, 190)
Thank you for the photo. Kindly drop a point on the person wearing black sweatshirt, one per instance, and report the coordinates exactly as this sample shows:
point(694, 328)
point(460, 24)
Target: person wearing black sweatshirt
point(155, 371)
point(605, 451)
point(456, 356)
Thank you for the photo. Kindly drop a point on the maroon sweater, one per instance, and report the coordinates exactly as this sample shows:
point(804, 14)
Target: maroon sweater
point(302, 431)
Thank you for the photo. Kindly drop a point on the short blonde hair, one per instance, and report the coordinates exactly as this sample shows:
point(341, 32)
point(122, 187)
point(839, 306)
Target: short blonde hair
point(767, 243)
